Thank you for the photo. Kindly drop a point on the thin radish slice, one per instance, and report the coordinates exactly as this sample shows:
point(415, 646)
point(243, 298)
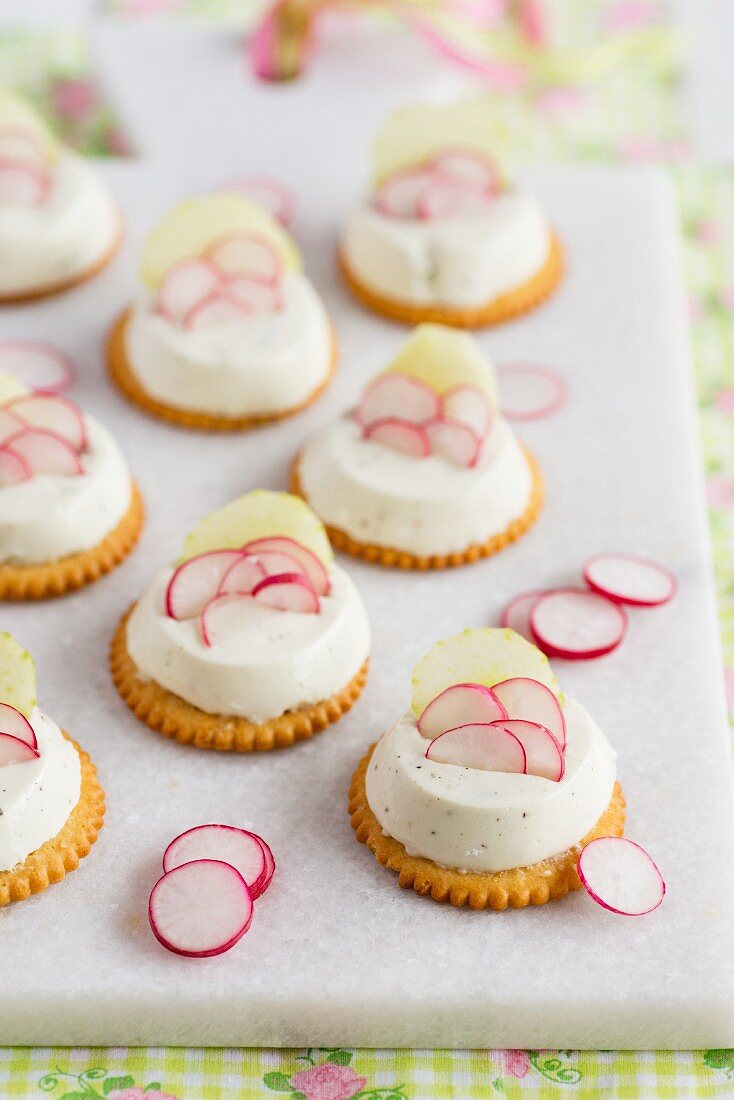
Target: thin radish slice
point(467, 167)
point(399, 195)
point(530, 391)
point(577, 624)
point(45, 452)
point(460, 705)
point(17, 725)
point(241, 849)
point(529, 699)
point(312, 566)
point(13, 467)
point(185, 284)
point(221, 618)
point(516, 614)
point(620, 876)
point(288, 592)
point(9, 425)
point(200, 909)
point(23, 184)
point(399, 435)
point(14, 750)
point(275, 197)
point(196, 581)
point(218, 308)
point(246, 254)
point(53, 413)
point(544, 755)
point(18, 144)
point(626, 578)
point(453, 441)
point(446, 199)
point(398, 395)
point(242, 576)
point(255, 295)
point(485, 747)
point(38, 365)
point(468, 405)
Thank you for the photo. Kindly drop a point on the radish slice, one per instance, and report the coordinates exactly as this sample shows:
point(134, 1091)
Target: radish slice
point(399, 435)
point(9, 425)
point(446, 199)
point(196, 581)
point(529, 391)
point(288, 592)
point(467, 167)
point(37, 365)
point(275, 197)
point(398, 395)
point(398, 196)
point(23, 184)
point(13, 467)
point(625, 578)
point(200, 909)
point(17, 725)
point(185, 284)
point(453, 441)
point(255, 296)
point(17, 144)
point(241, 849)
point(469, 406)
point(52, 413)
point(14, 750)
point(246, 254)
point(577, 624)
point(460, 705)
point(45, 452)
point(529, 699)
point(221, 618)
point(485, 747)
point(544, 755)
point(312, 566)
point(516, 615)
point(241, 576)
point(620, 876)
point(217, 309)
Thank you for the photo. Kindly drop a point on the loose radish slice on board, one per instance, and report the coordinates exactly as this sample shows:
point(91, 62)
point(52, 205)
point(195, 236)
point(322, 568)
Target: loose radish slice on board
point(14, 750)
point(516, 615)
point(620, 876)
point(45, 452)
point(275, 197)
point(484, 747)
point(200, 909)
point(196, 581)
point(243, 850)
point(625, 578)
point(52, 413)
point(308, 562)
point(399, 435)
point(460, 705)
point(543, 753)
point(288, 592)
point(529, 699)
point(17, 725)
point(453, 441)
point(577, 624)
point(37, 365)
point(529, 391)
point(398, 395)
point(13, 467)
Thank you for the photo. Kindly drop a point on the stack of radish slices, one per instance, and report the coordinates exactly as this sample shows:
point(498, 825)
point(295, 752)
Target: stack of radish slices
point(204, 902)
point(40, 433)
point(451, 183)
point(18, 742)
point(404, 413)
point(515, 726)
point(25, 178)
point(39, 366)
point(239, 274)
point(216, 586)
point(582, 623)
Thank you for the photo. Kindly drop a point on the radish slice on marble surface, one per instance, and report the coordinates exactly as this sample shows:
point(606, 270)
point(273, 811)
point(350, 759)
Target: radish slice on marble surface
point(530, 391)
point(516, 615)
point(38, 365)
point(13, 467)
point(577, 624)
point(221, 618)
point(45, 452)
point(544, 755)
point(484, 747)
point(17, 725)
point(53, 413)
point(275, 197)
point(399, 435)
point(200, 909)
point(185, 284)
point(243, 850)
point(196, 581)
point(460, 705)
point(453, 441)
point(308, 562)
point(14, 750)
point(529, 699)
point(620, 876)
point(398, 396)
point(246, 254)
point(626, 578)
point(288, 592)
point(468, 405)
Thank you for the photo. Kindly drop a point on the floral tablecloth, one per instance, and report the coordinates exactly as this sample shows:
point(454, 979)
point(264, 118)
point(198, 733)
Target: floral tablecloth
point(631, 114)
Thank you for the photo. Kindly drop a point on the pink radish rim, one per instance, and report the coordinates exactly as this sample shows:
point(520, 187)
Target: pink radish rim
point(62, 360)
point(32, 749)
point(220, 949)
point(638, 559)
point(600, 901)
point(552, 406)
point(552, 650)
point(30, 737)
point(261, 883)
